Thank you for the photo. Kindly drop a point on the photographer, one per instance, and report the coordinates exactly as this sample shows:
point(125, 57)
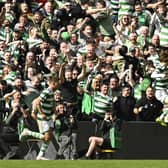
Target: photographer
point(65, 124)
point(10, 133)
point(104, 140)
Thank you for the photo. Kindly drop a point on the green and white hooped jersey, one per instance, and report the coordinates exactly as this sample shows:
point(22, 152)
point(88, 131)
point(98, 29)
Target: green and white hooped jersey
point(10, 17)
point(164, 35)
point(126, 7)
point(33, 42)
point(161, 77)
point(115, 6)
point(155, 59)
point(47, 103)
point(3, 34)
point(102, 104)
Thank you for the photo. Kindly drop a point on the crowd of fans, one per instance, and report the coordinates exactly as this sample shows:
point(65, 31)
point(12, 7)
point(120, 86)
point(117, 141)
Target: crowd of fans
point(96, 56)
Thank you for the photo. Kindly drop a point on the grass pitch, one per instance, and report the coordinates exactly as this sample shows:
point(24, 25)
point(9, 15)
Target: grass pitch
point(84, 164)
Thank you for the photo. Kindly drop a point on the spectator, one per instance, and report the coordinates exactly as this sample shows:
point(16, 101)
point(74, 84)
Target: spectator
point(153, 55)
point(155, 26)
point(24, 9)
point(33, 90)
point(125, 104)
point(74, 43)
point(23, 25)
point(8, 13)
point(102, 102)
point(103, 19)
point(48, 10)
point(67, 138)
point(58, 97)
point(69, 92)
point(123, 26)
point(7, 59)
point(30, 61)
point(143, 15)
point(85, 33)
point(64, 14)
point(34, 38)
point(149, 107)
point(92, 86)
point(31, 71)
point(64, 55)
point(36, 19)
point(132, 40)
point(3, 47)
point(156, 42)
point(91, 50)
point(144, 82)
point(143, 37)
point(11, 74)
point(118, 60)
point(114, 87)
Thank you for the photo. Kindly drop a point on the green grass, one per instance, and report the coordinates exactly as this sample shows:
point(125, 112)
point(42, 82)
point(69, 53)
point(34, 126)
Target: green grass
point(85, 164)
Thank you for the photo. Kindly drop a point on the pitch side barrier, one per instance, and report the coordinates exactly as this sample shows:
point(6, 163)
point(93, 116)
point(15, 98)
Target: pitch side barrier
point(140, 140)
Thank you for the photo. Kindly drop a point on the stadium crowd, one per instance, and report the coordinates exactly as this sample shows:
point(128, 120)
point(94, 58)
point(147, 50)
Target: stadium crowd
point(64, 61)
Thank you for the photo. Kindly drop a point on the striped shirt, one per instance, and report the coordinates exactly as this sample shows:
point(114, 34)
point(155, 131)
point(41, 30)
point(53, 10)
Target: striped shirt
point(164, 35)
point(155, 24)
point(10, 16)
point(126, 7)
point(102, 104)
point(155, 59)
point(115, 6)
point(3, 34)
point(33, 42)
point(47, 103)
point(161, 77)
point(15, 51)
point(34, 5)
